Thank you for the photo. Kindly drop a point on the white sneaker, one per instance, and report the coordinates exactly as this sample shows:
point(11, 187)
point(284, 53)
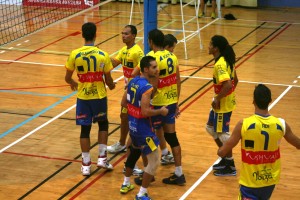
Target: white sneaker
point(167, 159)
point(103, 163)
point(86, 169)
point(136, 171)
point(115, 148)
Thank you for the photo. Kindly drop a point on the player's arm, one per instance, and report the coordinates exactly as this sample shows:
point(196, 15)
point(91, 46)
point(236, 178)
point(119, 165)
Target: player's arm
point(70, 80)
point(146, 109)
point(109, 81)
point(226, 87)
point(291, 137)
point(135, 72)
point(235, 79)
point(232, 141)
point(124, 99)
point(114, 62)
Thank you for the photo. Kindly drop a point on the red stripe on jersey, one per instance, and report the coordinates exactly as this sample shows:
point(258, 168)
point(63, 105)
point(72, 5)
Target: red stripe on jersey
point(219, 87)
point(134, 111)
point(127, 72)
point(167, 81)
point(260, 157)
point(91, 77)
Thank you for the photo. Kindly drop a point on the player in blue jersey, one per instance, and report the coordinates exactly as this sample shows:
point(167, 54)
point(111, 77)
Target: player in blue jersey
point(144, 141)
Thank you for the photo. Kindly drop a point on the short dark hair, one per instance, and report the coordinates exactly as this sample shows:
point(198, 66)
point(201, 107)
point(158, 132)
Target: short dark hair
point(88, 31)
point(262, 96)
point(169, 40)
point(145, 62)
point(157, 37)
point(133, 29)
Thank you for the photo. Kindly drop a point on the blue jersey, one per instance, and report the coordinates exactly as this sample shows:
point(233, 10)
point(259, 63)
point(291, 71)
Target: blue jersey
point(139, 125)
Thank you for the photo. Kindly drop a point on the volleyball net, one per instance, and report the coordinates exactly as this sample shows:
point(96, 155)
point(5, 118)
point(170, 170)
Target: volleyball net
point(22, 17)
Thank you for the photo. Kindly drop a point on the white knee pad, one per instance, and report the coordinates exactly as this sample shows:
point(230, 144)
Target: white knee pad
point(224, 137)
point(210, 130)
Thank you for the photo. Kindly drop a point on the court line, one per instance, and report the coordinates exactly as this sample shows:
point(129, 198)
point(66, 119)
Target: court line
point(190, 190)
point(32, 118)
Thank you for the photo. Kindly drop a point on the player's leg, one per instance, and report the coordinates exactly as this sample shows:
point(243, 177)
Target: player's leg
point(151, 152)
point(100, 116)
point(171, 138)
point(221, 124)
point(124, 129)
point(84, 118)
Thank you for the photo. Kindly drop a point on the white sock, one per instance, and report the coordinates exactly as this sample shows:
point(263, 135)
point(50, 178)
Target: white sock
point(142, 191)
point(178, 171)
point(164, 151)
point(102, 149)
point(86, 158)
point(126, 180)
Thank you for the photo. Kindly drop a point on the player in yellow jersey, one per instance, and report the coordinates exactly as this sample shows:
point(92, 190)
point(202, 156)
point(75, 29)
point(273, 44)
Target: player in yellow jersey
point(260, 136)
point(91, 65)
point(129, 57)
point(225, 81)
point(167, 94)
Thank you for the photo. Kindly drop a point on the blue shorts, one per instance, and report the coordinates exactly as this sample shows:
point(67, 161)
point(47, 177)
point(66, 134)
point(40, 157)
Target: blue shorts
point(141, 143)
point(159, 120)
point(220, 121)
point(247, 193)
point(91, 111)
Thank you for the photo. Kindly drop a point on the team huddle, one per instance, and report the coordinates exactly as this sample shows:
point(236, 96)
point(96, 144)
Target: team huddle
point(149, 108)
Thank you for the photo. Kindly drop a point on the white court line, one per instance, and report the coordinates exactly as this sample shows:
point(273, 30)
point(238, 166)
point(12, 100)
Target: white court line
point(190, 190)
point(46, 123)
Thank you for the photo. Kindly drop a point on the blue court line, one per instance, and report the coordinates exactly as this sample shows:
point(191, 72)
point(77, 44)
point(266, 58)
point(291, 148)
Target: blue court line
point(37, 115)
point(31, 93)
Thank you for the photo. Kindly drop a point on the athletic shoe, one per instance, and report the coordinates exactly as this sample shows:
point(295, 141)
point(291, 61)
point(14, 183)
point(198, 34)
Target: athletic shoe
point(167, 159)
point(103, 163)
point(227, 171)
point(213, 15)
point(220, 165)
point(136, 171)
point(126, 188)
point(86, 169)
point(138, 180)
point(175, 180)
point(115, 148)
point(201, 14)
point(144, 197)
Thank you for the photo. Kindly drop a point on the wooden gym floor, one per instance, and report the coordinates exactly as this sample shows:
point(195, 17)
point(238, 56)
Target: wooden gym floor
point(39, 141)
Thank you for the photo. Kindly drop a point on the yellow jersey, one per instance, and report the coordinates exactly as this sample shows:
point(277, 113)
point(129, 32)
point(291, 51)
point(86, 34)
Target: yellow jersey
point(260, 142)
point(129, 58)
point(166, 93)
point(221, 73)
point(90, 64)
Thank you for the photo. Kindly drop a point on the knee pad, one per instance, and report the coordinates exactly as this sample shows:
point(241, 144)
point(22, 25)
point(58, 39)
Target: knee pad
point(132, 157)
point(171, 139)
point(153, 162)
point(224, 137)
point(103, 125)
point(85, 131)
point(210, 130)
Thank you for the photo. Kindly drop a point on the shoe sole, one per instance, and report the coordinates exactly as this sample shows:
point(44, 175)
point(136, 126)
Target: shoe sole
point(225, 174)
point(110, 169)
point(218, 168)
point(126, 192)
point(114, 152)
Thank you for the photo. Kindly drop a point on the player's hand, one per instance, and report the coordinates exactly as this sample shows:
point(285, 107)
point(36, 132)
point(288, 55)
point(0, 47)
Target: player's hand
point(112, 86)
point(74, 86)
point(164, 111)
point(215, 104)
point(177, 113)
